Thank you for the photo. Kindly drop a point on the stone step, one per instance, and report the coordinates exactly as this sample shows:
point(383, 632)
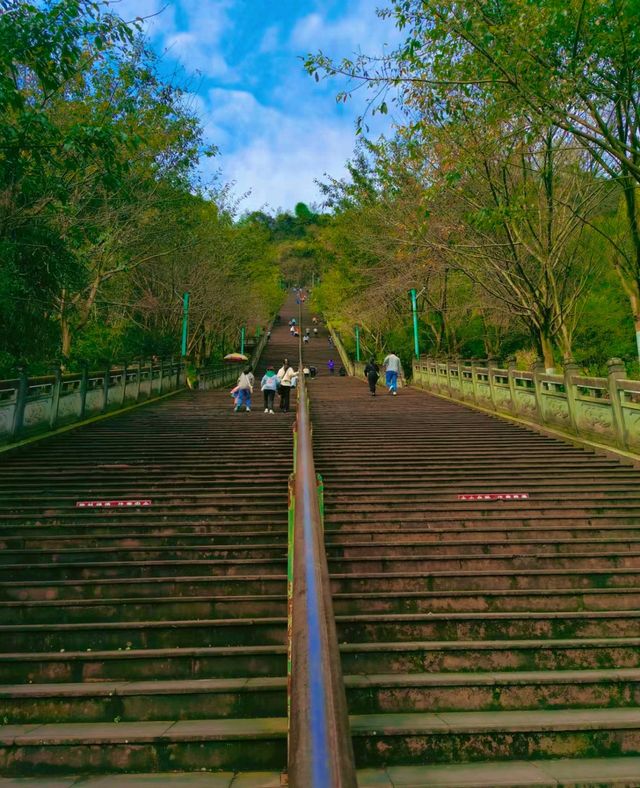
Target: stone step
point(136, 540)
point(159, 553)
point(384, 739)
point(514, 546)
point(42, 539)
point(143, 634)
point(243, 697)
point(128, 569)
point(142, 587)
point(379, 740)
point(354, 628)
point(187, 745)
point(487, 579)
point(412, 511)
point(567, 772)
point(357, 658)
point(381, 583)
point(109, 526)
point(461, 549)
point(150, 609)
point(227, 606)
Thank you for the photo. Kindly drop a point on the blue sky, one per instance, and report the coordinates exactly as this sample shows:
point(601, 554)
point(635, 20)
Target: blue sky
point(277, 129)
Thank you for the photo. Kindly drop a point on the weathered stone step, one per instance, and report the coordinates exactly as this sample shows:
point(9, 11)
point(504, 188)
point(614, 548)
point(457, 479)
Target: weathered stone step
point(136, 609)
point(378, 741)
point(230, 510)
point(234, 517)
point(513, 546)
point(135, 540)
point(539, 559)
point(216, 698)
point(480, 580)
point(542, 600)
point(498, 519)
point(412, 511)
point(487, 625)
point(110, 526)
point(568, 772)
point(441, 491)
point(490, 655)
point(155, 553)
point(131, 701)
point(112, 569)
point(138, 664)
point(256, 550)
point(189, 745)
point(357, 658)
point(353, 628)
point(385, 739)
point(143, 634)
point(430, 534)
point(194, 535)
point(227, 606)
point(164, 499)
point(143, 587)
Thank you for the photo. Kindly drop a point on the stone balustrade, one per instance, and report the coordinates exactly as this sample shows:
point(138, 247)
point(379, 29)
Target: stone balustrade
point(30, 405)
point(605, 410)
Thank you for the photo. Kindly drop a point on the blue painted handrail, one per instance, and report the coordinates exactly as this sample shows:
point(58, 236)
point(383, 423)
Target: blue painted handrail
point(320, 749)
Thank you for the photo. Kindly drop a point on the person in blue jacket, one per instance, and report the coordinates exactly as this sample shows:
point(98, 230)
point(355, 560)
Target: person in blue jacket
point(269, 386)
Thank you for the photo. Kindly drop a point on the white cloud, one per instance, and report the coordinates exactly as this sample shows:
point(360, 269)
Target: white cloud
point(270, 40)
point(158, 16)
point(274, 155)
point(359, 28)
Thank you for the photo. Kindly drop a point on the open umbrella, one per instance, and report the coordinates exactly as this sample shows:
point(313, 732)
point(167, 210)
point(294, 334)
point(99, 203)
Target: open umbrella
point(236, 357)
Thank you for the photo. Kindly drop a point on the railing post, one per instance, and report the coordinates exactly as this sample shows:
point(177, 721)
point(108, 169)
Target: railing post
point(138, 379)
point(161, 386)
point(178, 373)
point(492, 364)
point(616, 372)
point(539, 369)
point(125, 368)
point(511, 378)
point(22, 394)
point(570, 369)
point(105, 389)
point(84, 385)
point(474, 379)
point(55, 396)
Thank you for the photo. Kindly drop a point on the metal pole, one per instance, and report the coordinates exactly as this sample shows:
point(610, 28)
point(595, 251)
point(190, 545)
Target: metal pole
point(357, 343)
point(185, 323)
point(414, 309)
point(242, 339)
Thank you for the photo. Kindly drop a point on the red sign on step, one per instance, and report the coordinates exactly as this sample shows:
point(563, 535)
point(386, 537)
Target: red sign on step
point(494, 497)
point(112, 504)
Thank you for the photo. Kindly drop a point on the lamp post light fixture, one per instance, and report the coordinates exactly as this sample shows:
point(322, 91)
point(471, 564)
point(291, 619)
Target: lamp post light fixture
point(414, 310)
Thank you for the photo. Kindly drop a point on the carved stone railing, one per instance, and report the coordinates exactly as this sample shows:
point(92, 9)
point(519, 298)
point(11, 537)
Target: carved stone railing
point(605, 410)
point(31, 405)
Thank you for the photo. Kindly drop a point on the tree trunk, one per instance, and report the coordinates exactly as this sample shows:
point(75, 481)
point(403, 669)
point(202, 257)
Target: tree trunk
point(565, 341)
point(546, 346)
point(65, 336)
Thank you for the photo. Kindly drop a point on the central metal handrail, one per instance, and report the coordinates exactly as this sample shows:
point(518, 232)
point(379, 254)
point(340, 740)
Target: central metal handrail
point(320, 749)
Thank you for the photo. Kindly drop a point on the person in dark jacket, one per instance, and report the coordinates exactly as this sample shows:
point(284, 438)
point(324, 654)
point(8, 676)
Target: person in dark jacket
point(372, 373)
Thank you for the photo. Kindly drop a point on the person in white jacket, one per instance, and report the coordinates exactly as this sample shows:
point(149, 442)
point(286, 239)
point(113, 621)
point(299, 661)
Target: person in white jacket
point(393, 370)
point(245, 389)
point(286, 374)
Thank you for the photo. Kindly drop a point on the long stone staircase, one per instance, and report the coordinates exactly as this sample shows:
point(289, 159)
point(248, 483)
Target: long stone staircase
point(483, 642)
point(149, 640)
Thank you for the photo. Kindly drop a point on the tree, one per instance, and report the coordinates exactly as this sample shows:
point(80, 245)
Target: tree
point(569, 64)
